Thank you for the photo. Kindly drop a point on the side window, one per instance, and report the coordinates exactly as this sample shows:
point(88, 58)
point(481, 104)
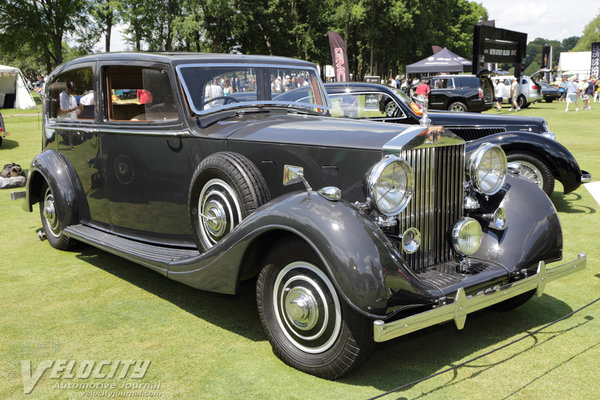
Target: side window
point(71, 95)
point(139, 94)
point(442, 83)
point(364, 105)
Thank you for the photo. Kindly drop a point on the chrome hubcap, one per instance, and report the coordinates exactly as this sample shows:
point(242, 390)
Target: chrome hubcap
point(307, 308)
point(49, 213)
point(301, 308)
point(219, 211)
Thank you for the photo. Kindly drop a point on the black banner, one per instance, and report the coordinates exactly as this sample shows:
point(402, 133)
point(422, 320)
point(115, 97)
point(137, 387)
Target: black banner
point(496, 45)
point(546, 57)
point(595, 66)
point(339, 56)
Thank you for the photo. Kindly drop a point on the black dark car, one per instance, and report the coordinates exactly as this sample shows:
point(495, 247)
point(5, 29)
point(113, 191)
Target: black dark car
point(526, 140)
point(549, 93)
point(461, 93)
point(406, 227)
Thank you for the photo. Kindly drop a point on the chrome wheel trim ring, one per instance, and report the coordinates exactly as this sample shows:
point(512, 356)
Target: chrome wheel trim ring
point(532, 173)
point(49, 213)
point(319, 319)
point(219, 211)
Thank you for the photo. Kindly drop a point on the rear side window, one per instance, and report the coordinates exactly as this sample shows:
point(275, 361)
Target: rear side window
point(139, 94)
point(70, 96)
point(470, 82)
point(442, 83)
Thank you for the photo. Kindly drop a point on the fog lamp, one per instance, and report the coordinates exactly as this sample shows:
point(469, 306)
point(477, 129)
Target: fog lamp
point(466, 236)
point(411, 240)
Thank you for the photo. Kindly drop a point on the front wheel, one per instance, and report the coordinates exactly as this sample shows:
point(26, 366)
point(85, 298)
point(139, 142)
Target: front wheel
point(534, 169)
point(51, 221)
point(308, 325)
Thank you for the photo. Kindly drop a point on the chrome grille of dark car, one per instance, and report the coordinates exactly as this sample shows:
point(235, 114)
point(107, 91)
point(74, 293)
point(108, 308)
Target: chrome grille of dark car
point(475, 133)
point(436, 204)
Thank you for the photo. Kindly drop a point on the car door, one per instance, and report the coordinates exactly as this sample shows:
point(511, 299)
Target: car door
point(148, 159)
point(441, 91)
point(70, 128)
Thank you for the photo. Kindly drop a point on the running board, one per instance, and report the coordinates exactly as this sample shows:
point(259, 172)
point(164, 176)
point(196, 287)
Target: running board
point(152, 256)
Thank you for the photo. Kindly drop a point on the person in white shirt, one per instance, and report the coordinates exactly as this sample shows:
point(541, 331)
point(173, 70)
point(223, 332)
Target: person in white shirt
point(212, 90)
point(68, 104)
point(500, 86)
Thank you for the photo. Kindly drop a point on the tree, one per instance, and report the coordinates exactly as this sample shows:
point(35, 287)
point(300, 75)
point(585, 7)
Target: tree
point(39, 26)
point(106, 13)
point(591, 34)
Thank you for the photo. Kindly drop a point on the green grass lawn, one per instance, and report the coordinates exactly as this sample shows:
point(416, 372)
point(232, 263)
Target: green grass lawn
point(90, 305)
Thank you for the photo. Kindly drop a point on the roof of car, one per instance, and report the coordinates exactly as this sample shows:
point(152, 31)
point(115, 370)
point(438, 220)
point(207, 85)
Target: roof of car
point(178, 58)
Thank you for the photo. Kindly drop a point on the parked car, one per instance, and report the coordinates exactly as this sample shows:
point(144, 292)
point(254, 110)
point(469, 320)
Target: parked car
point(525, 140)
point(530, 90)
point(3, 131)
point(549, 93)
point(461, 93)
point(405, 228)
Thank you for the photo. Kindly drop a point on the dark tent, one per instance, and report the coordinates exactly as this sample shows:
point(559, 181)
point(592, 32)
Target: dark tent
point(442, 61)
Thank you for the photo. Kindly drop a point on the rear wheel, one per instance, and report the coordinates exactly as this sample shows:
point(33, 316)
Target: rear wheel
point(522, 101)
point(457, 106)
point(534, 169)
point(51, 221)
point(308, 325)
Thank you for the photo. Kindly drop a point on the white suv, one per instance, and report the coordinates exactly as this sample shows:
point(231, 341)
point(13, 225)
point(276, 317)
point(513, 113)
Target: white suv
point(530, 90)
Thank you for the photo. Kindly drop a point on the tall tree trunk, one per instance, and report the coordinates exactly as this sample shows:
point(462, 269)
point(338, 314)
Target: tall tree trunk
point(107, 33)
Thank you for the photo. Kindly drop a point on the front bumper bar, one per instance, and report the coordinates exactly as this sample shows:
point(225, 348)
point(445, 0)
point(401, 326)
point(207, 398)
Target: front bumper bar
point(464, 305)
point(585, 177)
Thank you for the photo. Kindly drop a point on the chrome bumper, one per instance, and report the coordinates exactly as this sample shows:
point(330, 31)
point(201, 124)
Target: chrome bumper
point(585, 177)
point(464, 305)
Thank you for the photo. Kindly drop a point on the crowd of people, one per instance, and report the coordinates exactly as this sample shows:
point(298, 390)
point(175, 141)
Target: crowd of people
point(572, 90)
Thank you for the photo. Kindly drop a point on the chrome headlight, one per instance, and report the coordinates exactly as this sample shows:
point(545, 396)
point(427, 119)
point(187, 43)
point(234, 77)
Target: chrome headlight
point(390, 185)
point(487, 168)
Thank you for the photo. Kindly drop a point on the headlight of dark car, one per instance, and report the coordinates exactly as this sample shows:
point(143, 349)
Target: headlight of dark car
point(486, 168)
point(390, 185)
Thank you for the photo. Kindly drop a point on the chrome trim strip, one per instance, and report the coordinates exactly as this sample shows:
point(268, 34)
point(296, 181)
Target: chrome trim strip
point(123, 130)
point(463, 305)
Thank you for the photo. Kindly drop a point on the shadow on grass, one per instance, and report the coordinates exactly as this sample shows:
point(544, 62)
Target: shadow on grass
point(9, 144)
point(420, 354)
point(237, 314)
point(570, 203)
point(394, 363)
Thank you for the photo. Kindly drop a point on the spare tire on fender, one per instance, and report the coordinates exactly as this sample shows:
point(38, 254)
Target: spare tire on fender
point(226, 188)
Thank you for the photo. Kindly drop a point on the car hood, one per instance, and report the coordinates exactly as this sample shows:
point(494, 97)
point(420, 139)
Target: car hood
point(475, 119)
point(319, 131)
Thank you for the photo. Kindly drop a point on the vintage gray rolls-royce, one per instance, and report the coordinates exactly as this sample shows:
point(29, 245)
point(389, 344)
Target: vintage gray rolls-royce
point(195, 166)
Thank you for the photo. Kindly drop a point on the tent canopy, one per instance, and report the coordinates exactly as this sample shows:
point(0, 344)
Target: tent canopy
point(442, 61)
point(13, 91)
point(575, 63)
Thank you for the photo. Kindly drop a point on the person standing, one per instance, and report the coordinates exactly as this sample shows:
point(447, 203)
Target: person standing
point(499, 92)
point(572, 94)
point(588, 92)
point(68, 103)
point(514, 94)
point(562, 89)
point(422, 92)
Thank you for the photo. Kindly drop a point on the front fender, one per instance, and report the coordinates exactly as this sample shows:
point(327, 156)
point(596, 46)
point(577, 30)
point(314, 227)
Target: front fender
point(533, 231)
point(51, 167)
point(561, 162)
point(355, 253)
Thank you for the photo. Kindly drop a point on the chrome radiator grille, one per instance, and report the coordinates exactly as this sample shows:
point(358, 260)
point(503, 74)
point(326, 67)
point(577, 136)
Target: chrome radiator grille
point(436, 204)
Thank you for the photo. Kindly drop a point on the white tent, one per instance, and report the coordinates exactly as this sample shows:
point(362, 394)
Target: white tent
point(575, 63)
point(13, 92)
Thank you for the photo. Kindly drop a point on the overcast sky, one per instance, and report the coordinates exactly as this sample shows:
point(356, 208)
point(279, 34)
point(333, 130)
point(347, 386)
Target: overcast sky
point(548, 19)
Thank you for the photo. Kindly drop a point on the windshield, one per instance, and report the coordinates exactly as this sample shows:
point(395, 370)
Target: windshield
point(210, 88)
